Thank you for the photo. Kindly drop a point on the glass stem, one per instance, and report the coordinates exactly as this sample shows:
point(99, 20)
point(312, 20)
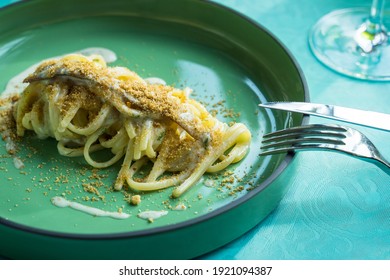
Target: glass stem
point(374, 23)
point(372, 33)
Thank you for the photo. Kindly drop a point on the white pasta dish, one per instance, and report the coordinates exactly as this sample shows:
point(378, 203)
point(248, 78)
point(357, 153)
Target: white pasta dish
point(88, 106)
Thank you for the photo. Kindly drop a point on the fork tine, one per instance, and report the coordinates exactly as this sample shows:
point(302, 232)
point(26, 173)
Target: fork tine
point(314, 128)
point(276, 151)
point(307, 140)
point(295, 148)
point(271, 137)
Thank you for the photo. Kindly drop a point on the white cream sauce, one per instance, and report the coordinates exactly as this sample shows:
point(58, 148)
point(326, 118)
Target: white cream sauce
point(209, 183)
point(62, 202)
point(108, 55)
point(186, 116)
point(155, 81)
point(180, 207)
point(18, 163)
point(16, 85)
point(152, 215)
point(10, 147)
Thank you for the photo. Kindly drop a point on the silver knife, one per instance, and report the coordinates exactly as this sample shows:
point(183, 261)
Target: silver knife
point(344, 114)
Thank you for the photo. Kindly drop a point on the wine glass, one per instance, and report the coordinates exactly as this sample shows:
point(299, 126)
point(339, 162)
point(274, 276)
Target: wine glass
point(354, 42)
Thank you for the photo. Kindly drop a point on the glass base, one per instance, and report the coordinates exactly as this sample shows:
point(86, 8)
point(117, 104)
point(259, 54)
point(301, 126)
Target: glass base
point(332, 41)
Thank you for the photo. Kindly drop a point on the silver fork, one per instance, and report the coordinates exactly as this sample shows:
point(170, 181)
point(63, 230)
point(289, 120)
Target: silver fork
point(324, 137)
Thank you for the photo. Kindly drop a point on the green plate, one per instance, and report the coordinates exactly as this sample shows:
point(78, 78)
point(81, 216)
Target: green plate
point(230, 62)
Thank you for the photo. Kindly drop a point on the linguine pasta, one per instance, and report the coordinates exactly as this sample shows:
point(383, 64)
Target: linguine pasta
point(88, 106)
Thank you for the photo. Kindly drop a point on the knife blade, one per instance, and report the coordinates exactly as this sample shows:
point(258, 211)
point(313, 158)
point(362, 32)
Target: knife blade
point(356, 116)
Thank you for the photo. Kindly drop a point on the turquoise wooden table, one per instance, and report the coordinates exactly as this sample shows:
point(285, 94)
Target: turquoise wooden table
point(336, 207)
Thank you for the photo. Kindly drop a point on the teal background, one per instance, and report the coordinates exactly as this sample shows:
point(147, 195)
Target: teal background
point(336, 207)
